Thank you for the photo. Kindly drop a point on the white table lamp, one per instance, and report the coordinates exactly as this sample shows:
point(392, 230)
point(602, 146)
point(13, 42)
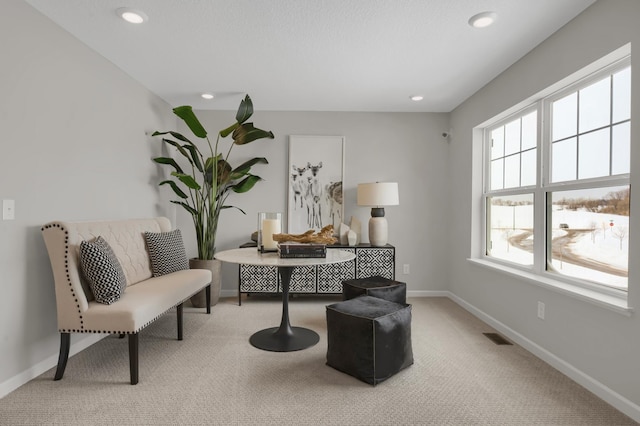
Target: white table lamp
point(377, 195)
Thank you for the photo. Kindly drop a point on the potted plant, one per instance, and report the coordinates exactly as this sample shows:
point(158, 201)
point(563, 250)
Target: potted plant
point(202, 189)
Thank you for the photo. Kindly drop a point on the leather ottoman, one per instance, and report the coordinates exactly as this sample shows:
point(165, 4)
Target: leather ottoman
point(384, 288)
point(369, 338)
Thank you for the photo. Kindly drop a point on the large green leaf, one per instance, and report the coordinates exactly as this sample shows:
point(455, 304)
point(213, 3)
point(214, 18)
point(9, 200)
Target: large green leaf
point(245, 110)
point(250, 163)
point(187, 207)
point(226, 132)
point(187, 115)
point(224, 171)
point(248, 133)
point(208, 164)
point(245, 167)
point(187, 180)
point(174, 134)
point(169, 161)
point(246, 184)
point(208, 171)
point(195, 156)
point(234, 207)
point(179, 192)
point(179, 148)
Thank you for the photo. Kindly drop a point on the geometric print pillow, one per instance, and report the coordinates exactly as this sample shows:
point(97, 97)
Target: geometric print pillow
point(102, 270)
point(166, 252)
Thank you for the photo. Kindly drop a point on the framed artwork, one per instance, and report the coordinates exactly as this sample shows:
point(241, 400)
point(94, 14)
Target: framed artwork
point(316, 172)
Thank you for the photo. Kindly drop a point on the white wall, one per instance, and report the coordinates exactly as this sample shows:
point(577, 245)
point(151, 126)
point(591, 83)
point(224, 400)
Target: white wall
point(403, 147)
point(73, 148)
point(597, 344)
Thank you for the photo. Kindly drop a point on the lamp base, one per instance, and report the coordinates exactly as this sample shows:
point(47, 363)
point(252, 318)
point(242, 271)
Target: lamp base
point(378, 231)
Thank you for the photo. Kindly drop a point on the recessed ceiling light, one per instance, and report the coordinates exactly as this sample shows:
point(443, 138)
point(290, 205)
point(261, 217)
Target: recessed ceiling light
point(207, 96)
point(417, 98)
point(132, 15)
point(482, 20)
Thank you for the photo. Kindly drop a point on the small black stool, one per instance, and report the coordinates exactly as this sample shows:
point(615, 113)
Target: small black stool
point(369, 338)
point(384, 288)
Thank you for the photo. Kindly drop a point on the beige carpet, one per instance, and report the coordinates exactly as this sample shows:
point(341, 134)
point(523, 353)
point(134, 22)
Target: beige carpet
point(216, 377)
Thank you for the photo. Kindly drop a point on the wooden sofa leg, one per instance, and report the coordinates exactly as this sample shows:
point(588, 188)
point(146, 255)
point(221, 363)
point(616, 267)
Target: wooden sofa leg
point(65, 342)
point(179, 314)
point(207, 293)
point(133, 358)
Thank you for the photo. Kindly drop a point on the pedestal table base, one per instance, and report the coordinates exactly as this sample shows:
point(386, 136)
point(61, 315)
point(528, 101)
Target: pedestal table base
point(284, 338)
point(270, 339)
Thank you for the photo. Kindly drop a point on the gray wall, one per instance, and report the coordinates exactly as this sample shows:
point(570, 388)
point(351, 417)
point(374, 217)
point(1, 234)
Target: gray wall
point(595, 342)
point(73, 148)
point(403, 147)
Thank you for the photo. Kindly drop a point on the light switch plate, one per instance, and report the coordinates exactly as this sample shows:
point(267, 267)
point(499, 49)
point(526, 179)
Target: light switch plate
point(8, 209)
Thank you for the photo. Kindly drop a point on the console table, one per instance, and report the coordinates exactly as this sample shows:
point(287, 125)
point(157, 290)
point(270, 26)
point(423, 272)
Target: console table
point(320, 279)
point(284, 338)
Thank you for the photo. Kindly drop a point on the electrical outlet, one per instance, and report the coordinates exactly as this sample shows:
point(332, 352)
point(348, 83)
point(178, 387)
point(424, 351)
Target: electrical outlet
point(405, 269)
point(8, 209)
point(541, 310)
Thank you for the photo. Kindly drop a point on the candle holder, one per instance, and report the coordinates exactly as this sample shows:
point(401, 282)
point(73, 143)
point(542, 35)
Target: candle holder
point(268, 224)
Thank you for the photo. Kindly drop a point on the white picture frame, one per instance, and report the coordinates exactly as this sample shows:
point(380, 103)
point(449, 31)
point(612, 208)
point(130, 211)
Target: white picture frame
point(315, 178)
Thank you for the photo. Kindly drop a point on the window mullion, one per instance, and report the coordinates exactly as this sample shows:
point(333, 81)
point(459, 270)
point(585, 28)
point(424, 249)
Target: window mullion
point(544, 170)
point(611, 96)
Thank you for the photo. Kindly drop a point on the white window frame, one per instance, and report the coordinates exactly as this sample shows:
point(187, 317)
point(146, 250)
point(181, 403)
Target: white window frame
point(487, 192)
point(537, 273)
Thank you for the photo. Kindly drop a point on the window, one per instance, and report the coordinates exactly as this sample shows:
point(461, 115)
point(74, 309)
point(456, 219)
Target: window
point(556, 183)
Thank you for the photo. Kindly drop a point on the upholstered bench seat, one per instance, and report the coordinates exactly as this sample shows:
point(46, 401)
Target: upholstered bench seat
point(144, 302)
point(149, 283)
point(369, 338)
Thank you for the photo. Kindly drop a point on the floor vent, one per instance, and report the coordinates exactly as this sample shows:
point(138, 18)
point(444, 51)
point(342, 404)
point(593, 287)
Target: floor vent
point(497, 339)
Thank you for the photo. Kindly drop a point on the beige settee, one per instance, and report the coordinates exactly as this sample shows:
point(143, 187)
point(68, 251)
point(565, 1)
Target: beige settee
point(145, 298)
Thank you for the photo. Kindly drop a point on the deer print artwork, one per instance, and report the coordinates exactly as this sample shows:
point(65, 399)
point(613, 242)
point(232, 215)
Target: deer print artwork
point(315, 183)
point(314, 197)
point(334, 194)
point(298, 186)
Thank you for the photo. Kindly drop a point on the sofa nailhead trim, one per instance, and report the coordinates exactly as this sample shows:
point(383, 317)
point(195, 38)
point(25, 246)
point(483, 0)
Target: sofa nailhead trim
point(68, 273)
point(63, 330)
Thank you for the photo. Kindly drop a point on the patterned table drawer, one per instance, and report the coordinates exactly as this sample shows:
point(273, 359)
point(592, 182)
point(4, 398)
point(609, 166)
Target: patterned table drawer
point(303, 280)
point(330, 277)
point(258, 279)
point(375, 261)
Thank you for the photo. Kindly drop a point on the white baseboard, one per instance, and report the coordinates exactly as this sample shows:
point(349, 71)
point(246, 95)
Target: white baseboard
point(427, 293)
point(605, 393)
point(31, 373)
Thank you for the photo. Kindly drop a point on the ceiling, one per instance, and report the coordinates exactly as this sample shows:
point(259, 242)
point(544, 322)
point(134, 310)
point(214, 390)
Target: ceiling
point(313, 55)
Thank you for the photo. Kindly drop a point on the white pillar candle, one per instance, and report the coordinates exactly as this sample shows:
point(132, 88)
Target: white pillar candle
point(270, 227)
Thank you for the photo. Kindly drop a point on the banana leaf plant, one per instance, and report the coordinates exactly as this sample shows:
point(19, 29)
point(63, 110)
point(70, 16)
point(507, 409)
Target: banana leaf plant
point(204, 189)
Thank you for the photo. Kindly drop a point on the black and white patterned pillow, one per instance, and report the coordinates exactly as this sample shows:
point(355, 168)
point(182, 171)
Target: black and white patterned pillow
point(166, 252)
point(102, 270)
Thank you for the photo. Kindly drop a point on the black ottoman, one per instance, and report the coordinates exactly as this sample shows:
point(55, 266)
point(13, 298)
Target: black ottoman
point(369, 338)
point(384, 288)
